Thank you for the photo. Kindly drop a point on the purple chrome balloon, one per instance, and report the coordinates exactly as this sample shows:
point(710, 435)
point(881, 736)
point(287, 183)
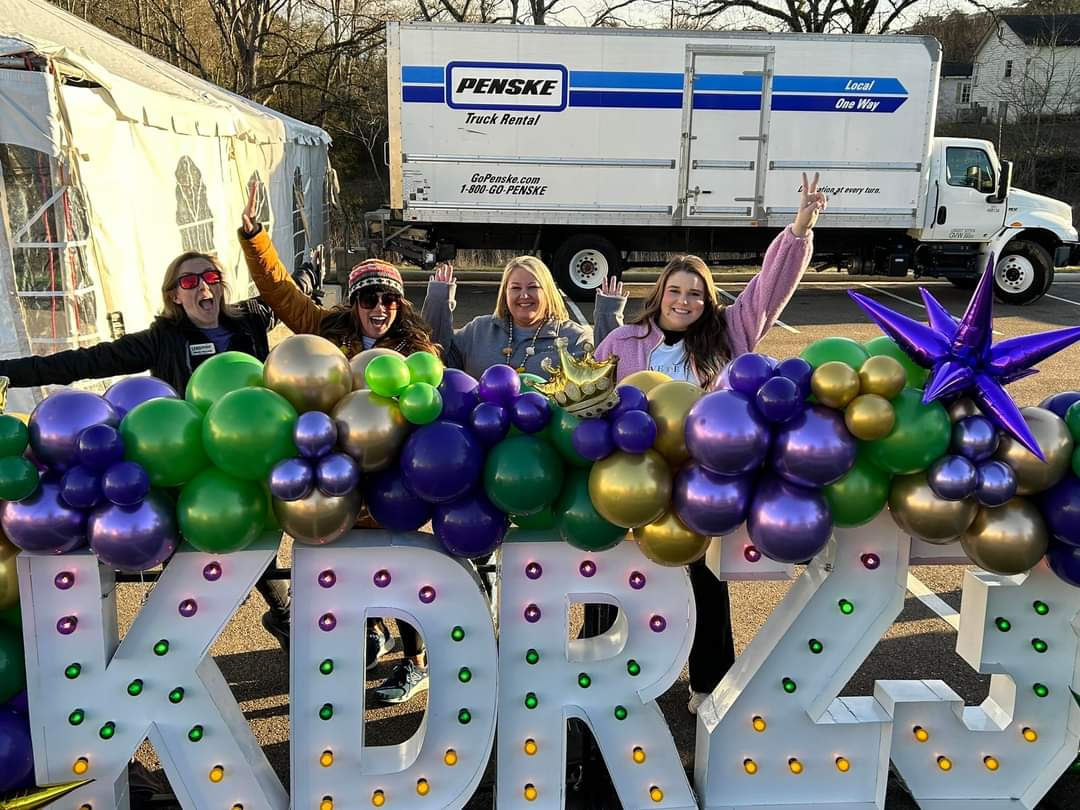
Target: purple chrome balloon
point(126, 483)
point(631, 398)
point(459, 396)
point(815, 448)
point(99, 447)
point(530, 412)
point(16, 752)
point(134, 538)
point(43, 522)
point(131, 391)
point(337, 475)
point(592, 439)
point(1059, 403)
point(996, 483)
point(799, 372)
point(20, 704)
point(81, 488)
point(292, 479)
point(58, 420)
point(633, 432)
point(442, 461)
point(392, 504)
point(953, 478)
point(315, 434)
point(1064, 561)
point(726, 434)
point(748, 372)
point(470, 526)
point(778, 400)
point(975, 438)
point(788, 523)
point(499, 384)
point(708, 503)
point(490, 422)
point(1060, 506)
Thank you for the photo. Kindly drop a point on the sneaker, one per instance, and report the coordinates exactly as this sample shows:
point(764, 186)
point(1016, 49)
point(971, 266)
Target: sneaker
point(696, 699)
point(379, 643)
point(406, 682)
point(276, 623)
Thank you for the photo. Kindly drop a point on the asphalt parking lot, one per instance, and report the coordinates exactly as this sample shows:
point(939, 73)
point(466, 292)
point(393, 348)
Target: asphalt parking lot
point(920, 644)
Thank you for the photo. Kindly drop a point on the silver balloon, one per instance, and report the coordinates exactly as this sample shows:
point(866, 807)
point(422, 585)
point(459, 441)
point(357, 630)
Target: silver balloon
point(318, 520)
point(963, 408)
point(1010, 539)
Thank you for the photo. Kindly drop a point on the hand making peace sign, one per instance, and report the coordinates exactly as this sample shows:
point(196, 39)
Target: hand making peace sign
point(811, 204)
point(251, 209)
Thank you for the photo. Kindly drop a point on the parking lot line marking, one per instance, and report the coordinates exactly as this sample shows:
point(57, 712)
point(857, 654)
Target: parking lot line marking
point(1065, 300)
point(579, 316)
point(917, 588)
point(906, 300)
point(779, 322)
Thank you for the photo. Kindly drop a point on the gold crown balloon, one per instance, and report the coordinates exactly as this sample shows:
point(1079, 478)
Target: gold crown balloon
point(39, 797)
point(4, 383)
point(584, 387)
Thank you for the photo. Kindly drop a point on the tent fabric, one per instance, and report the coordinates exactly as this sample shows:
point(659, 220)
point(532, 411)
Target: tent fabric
point(26, 111)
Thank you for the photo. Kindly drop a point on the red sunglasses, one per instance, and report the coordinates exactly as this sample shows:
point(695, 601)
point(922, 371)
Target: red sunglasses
point(190, 281)
point(370, 300)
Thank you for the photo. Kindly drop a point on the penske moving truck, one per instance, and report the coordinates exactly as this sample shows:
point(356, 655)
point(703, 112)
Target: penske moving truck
point(604, 148)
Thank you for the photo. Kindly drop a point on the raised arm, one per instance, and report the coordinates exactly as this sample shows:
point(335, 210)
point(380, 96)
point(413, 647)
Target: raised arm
point(130, 354)
point(609, 308)
point(439, 304)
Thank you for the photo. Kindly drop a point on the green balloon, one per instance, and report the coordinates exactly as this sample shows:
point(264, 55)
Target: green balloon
point(12, 617)
point(883, 344)
point(18, 478)
point(1076, 462)
point(221, 374)
point(424, 367)
point(420, 403)
point(1072, 419)
point(248, 431)
point(12, 665)
point(544, 519)
point(219, 513)
point(560, 432)
point(528, 380)
point(577, 520)
point(919, 438)
point(842, 349)
point(271, 524)
point(387, 375)
point(522, 475)
point(860, 495)
point(13, 436)
point(164, 435)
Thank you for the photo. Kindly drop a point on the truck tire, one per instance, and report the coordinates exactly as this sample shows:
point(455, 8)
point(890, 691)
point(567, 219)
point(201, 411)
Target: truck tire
point(582, 263)
point(1023, 272)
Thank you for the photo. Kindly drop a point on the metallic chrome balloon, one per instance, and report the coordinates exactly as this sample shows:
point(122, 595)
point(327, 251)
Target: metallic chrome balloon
point(359, 363)
point(962, 408)
point(1009, 539)
point(646, 380)
point(9, 575)
point(1060, 403)
point(921, 513)
point(100, 446)
point(1060, 505)
point(975, 437)
point(779, 399)
point(43, 522)
point(748, 372)
point(834, 384)
point(315, 434)
point(1032, 474)
point(337, 474)
point(370, 428)
point(131, 391)
point(788, 523)
point(309, 371)
point(134, 538)
point(708, 503)
point(996, 483)
point(125, 483)
point(81, 487)
point(292, 479)
point(669, 404)
point(630, 490)
point(870, 416)
point(1064, 560)
point(318, 520)
point(814, 449)
point(726, 434)
point(953, 478)
point(58, 420)
point(667, 541)
point(490, 422)
point(882, 375)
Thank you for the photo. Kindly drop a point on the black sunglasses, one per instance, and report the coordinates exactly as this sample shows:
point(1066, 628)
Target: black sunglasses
point(190, 281)
point(370, 300)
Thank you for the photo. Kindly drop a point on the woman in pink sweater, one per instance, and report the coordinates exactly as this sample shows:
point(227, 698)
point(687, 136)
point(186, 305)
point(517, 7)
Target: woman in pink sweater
point(685, 332)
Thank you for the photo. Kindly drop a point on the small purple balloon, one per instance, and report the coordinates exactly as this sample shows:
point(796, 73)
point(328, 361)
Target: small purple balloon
point(441, 461)
point(1060, 403)
point(778, 400)
point(20, 704)
point(975, 438)
point(292, 479)
point(81, 488)
point(1064, 561)
point(490, 422)
point(134, 538)
point(631, 398)
point(470, 526)
point(1060, 505)
point(337, 475)
point(58, 420)
point(459, 396)
point(392, 504)
point(748, 372)
point(799, 372)
point(315, 434)
point(43, 522)
point(996, 483)
point(953, 478)
point(99, 447)
point(16, 752)
point(530, 412)
point(788, 523)
point(633, 432)
point(126, 483)
point(131, 391)
point(815, 448)
point(592, 439)
point(726, 434)
point(708, 503)
point(499, 384)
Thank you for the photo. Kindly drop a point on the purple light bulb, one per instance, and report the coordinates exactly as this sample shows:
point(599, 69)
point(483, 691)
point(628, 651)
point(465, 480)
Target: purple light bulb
point(870, 560)
point(188, 608)
point(587, 568)
point(657, 623)
point(751, 554)
point(532, 614)
point(327, 622)
point(327, 578)
point(212, 571)
point(66, 625)
point(381, 578)
point(64, 580)
point(637, 580)
point(427, 594)
point(533, 570)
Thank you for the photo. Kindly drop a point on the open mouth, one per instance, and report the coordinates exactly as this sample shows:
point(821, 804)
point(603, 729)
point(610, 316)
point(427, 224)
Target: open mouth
point(379, 321)
point(206, 304)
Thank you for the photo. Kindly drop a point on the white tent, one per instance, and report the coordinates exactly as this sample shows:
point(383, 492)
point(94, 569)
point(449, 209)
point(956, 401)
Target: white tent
point(114, 162)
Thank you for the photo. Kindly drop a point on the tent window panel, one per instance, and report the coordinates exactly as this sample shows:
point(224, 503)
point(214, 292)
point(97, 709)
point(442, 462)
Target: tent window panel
point(300, 231)
point(262, 200)
point(194, 218)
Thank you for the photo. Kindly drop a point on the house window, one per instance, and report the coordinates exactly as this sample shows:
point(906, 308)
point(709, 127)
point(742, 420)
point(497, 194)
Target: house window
point(971, 168)
point(1008, 68)
point(299, 218)
point(193, 215)
point(964, 92)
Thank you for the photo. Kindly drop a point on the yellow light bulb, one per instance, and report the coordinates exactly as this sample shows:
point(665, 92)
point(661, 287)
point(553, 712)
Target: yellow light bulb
point(795, 766)
point(217, 773)
point(422, 787)
point(944, 763)
point(920, 734)
point(991, 763)
point(530, 746)
point(843, 765)
point(530, 793)
point(238, 807)
point(450, 757)
point(326, 759)
point(1030, 735)
point(759, 723)
point(656, 794)
point(378, 798)
point(639, 754)
point(81, 766)
point(749, 766)
point(326, 804)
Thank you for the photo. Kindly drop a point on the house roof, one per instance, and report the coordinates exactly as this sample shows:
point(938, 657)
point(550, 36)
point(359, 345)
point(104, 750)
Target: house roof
point(957, 70)
point(1045, 29)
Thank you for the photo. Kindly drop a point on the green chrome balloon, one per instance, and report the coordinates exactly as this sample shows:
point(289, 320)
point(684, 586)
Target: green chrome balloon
point(522, 475)
point(424, 367)
point(860, 495)
point(18, 478)
point(164, 435)
point(219, 513)
point(13, 436)
point(560, 432)
point(387, 375)
point(248, 431)
point(885, 345)
point(842, 349)
point(919, 438)
point(1072, 419)
point(544, 519)
point(12, 666)
point(420, 403)
point(528, 380)
point(219, 375)
point(12, 617)
point(577, 520)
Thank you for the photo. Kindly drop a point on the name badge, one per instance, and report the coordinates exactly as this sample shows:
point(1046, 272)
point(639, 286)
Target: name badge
point(200, 349)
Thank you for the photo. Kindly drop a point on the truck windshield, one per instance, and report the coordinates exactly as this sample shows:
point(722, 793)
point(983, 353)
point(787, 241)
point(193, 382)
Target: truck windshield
point(965, 166)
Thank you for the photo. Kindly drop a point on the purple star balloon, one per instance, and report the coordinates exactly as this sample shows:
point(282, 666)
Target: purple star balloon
point(962, 357)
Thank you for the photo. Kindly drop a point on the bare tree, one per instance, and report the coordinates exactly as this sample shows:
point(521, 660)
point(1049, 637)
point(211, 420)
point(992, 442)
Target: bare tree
point(816, 16)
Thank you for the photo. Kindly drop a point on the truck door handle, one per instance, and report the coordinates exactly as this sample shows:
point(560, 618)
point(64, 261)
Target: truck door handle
point(941, 213)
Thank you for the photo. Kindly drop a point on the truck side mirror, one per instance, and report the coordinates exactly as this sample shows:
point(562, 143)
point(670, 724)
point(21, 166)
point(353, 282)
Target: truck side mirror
point(1004, 184)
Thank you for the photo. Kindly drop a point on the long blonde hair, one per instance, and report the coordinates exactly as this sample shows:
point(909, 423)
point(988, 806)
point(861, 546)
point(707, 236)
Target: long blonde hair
point(554, 307)
point(172, 311)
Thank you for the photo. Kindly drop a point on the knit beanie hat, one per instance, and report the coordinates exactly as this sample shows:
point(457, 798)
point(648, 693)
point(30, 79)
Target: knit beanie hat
point(375, 273)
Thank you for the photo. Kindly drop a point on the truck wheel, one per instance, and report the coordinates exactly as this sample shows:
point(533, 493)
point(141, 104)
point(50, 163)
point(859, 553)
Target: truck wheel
point(583, 262)
point(1022, 273)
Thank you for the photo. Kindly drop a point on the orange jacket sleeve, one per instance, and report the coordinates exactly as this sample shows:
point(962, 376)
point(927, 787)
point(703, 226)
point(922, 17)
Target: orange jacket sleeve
point(296, 310)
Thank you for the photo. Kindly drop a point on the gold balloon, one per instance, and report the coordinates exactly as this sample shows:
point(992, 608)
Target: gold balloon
point(1008, 539)
point(1054, 439)
point(360, 362)
point(869, 417)
point(882, 375)
point(630, 490)
point(921, 513)
point(834, 384)
point(962, 408)
point(669, 403)
point(9, 576)
point(370, 428)
point(667, 541)
point(33, 798)
point(318, 520)
point(309, 371)
point(645, 380)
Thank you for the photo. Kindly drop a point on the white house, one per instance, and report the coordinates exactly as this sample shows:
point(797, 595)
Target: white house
point(954, 91)
point(1028, 65)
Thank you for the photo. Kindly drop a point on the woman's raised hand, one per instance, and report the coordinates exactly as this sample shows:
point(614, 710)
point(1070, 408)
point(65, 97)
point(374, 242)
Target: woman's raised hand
point(444, 272)
point(811, 203)
point(251, 209)
point(612, 287)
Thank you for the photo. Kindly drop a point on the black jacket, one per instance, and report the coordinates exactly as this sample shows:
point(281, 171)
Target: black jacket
point(170, 350)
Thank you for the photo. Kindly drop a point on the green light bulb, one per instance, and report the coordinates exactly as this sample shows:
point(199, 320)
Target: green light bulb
point(584, 681)
point(633, 667)
point(326, 711)
point(1040, 690)
point(135, 687)
point(621, 713)
point(532, 656)
point(789, 686)
point(1039, 645)
point(464, 716)
point(1003, 624)
point(531, 701)
point(72, 671)
point(815, 646)
point(196, 733)
point(464, 675)
point(76, 717)
point(161, 647)
point(327, 666)
point(457, 634)
point(107, 731)
point(846, 607)
point(1041, 607)
point(176, 695)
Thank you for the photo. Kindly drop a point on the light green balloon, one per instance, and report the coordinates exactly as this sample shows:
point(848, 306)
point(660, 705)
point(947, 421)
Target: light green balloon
point(219, 513)
point(219, 375)
point(164, 435)
point(841, 349)
point(885, 345)
point(424, 367)
point(387, 375)
point(420, 403)
point(248, 431)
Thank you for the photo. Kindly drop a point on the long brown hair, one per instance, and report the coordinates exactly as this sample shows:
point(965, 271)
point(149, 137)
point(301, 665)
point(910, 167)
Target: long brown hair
point(707, 344)
point(407, 334)
point(172, 311)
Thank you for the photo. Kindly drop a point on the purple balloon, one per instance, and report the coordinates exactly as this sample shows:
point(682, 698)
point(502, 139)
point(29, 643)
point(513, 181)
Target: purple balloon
point(530, 412)
point(337, 474)
point(799, 372)
point(631, 398)
point(16, 753)
point(726, 434)
point(711, 504)
point(490, 422)
point(953, 478)
point(815, 448)
point(788, 523)
point(99, 447)
point(134, 538)
point(1059, 403)
point(1064, 561)
point(81, 488)
point(56, 423)
point(126, 483)
point(470, 526)
point(131, 391)
point(778, 400)
point(499, 384)
point(442, 461)
point(748, 372)
point(975, 437)
point(393, 505)
point(292, 479)
point(996, 484)
point(43, 522)
point(459, 396)
point(315, 434)
point(592, 438)
point(20, 704)
point(633, 432)
point(1061, 508)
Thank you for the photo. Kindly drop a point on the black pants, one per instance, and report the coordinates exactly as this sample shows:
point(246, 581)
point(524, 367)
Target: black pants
point(274, 589)
point(713, 651)
point(411, 643)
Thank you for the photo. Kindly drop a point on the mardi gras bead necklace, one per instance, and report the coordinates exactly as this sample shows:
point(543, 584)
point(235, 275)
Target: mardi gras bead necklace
point(530, 350)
